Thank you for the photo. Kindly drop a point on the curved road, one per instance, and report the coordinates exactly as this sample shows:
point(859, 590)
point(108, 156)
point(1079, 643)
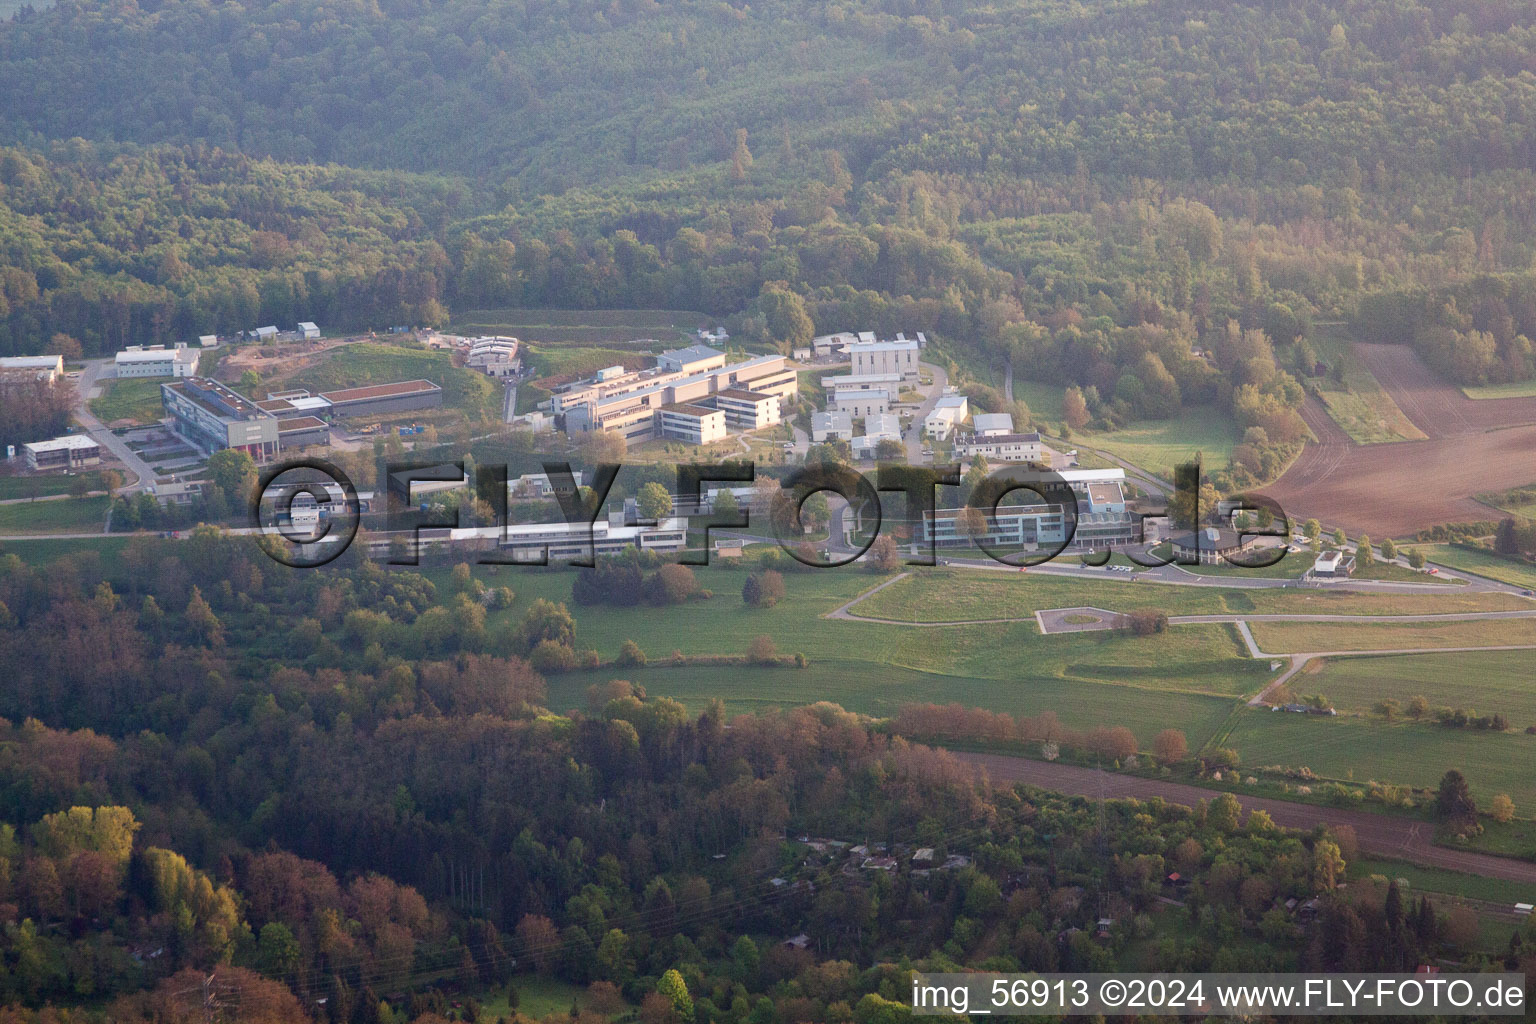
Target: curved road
point(1380, 834)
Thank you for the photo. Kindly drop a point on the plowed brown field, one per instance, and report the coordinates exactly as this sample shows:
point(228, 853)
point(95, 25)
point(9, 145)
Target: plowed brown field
point(1397, 489)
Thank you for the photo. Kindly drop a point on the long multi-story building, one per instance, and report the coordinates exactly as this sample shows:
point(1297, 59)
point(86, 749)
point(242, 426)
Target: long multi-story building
point(49, 368)
point(629, 403)
point(1103, 519)
point(1001, 447)
point(211, 417)
point(71, 452)
point(156, 361)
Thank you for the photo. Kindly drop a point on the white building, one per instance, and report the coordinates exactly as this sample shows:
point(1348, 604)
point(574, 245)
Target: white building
point(862, 403)
point(70, 452)
point(156, 361)
point(49, 368)
point(748, 410)
point(877, 428)
point(1002, 447)
point(695, 424)
point(987, 424)
point(208, 340)
point(494, 356)
point(268, 333)
point(898, 357)
point(832, 346)
point(308, 331)
point(948, 413)
point(693, 359)
point(831, 426)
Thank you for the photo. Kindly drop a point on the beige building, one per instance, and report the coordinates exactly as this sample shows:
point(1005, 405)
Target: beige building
point(695, 424)
point(898, 357)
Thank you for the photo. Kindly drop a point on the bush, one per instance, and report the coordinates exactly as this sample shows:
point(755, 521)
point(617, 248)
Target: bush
point(630, 655)
point(762, 651)
point(671, 584)
point(763, 589)
point(550, 656)
point(1148, 621)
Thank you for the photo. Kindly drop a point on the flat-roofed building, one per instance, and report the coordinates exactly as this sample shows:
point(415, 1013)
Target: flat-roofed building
point(1001, 447)
point(268, 333)
point(72, 451)
point(899, 357)
point(625, 404)
point(831, 346)
point(877, 428)
point(212, 417)
point(156, 361)
point(747, 410)
point(1333, 565)
point(49, 368)
point(528, 542)
point(695, 424)
point(693, 359)
point(1030, 526)
point(299, 431)
point(308, 331)
point(385, 399)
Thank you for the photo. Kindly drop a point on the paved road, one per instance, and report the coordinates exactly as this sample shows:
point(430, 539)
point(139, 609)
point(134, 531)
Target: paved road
point(142, 471)
point(914, 436)
point(1379, 834)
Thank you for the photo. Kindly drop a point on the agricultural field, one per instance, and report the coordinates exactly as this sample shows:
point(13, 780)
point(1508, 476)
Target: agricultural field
point(1473, 447)
point(939, 595)
point(349, 366)
point(133, 400)
point(72, 515)
point(671, 327)
point(1485, 681)
point(1360, 750)
point(1359, 404)
point(1436, 880)
point(1159, 445)
point(1292, 637)
point(1519, 389)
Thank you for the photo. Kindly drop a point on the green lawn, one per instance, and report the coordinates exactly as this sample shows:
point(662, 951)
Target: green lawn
point(1359, 750)
point(958, 595)
point(12, 487)
point(1488, 565)
point(1290, 637)
point(1518, 389)
point(72, 515)
point(1044, 400)
point(1487, 681)
point(1392, 572)
point(1369, 415)
point(355, 365)
point(1159, 445)
point(537, 998)
point(580, 361)
point(135, 398)
point(43, 549)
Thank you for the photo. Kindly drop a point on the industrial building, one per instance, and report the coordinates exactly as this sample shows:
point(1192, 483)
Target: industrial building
point(49, 368)
point(384, 399)
point(299, 431)
point(831, 426)
point(495, 356)
point(211, 417)
point(897, 357)
point(862, 403)
point(877, 428)
point(1103, 520)
point(156, 361)
point(693, 359)
point(992, 424)
point(948, 413)
point(308, 331)
point(73, 451)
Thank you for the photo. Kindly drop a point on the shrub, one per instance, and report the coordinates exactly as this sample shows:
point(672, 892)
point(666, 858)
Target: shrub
point(763, 589)
point(762, 651)
point(671, 584)
point(551, 656)
point(1148, 621)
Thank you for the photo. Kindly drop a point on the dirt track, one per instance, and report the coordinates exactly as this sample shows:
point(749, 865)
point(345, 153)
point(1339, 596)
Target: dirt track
point(1380, 834)
point(1474, 447)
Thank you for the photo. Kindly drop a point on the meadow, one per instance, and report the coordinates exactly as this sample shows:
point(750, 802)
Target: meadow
point(580, 361)
point(1292, 637)
point(1159, 445)
point(1359, 750)
point(349, 366)
point(959, 595)
point(1483, 564)
point(134, 398)
point(1359, 404)
point(1518, 389)
point(1484, 681)
point(14, 487)
point(72, 515)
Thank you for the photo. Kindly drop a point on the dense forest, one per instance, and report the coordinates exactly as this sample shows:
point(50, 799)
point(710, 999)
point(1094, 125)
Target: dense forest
point(1026, 180)
point(315, 786)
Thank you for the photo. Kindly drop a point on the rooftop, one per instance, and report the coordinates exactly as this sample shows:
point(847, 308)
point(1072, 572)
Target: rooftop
point(1005, 439)
point(57, 444)
point(154, 355)
point(216, 398)
point(950, 402)
point(691, 410)
point(299, 423)
point(691, 354)
point(744, 395)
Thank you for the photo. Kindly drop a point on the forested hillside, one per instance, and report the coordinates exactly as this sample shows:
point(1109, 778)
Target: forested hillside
point(1083, 188)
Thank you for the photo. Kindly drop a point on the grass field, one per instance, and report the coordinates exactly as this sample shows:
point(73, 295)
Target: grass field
point(953, 595)
point(43, 549)
point(1392, 572)
point(1368, 414)
point(363, 363)
point(537, 998)
point(1359, 750)
point(1488, 565)
point(136, 399)
point(12, 487)
point(585, 326)
point(1290, 637)
point(1148, 684)
point(1519, 389)
point(581, 361)
point(1044, 400)
point(72, 515)
point(1485, 681)
point(1435, 880)
point(1159, 445)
